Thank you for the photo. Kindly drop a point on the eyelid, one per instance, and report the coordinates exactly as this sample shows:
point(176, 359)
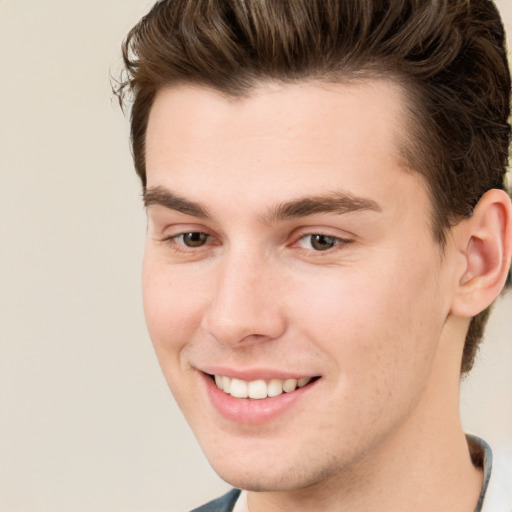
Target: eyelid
point(170, 234)
point(341, 239)
point(344, 236)
point(170, 229)
point(182, 235)
point(335, 239)
point(163, 222)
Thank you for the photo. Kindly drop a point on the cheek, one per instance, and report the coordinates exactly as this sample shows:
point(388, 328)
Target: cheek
point(173, 304)
point(375, 325)
point(173, 307)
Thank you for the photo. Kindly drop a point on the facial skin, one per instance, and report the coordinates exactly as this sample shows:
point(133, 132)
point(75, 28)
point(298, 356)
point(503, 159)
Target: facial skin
point(256, 297)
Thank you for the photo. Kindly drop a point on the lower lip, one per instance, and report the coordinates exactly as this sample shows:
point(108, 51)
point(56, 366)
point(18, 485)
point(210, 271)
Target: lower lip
point(251, 411)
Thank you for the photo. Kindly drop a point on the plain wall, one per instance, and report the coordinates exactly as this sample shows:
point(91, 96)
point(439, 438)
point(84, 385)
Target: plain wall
point(86, 420)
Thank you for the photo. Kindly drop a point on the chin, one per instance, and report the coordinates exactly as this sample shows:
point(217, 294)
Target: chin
point(259, 481)
point(252, 470)
point(266, 471)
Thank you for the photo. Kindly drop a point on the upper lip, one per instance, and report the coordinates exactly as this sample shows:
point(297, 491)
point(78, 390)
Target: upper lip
point(250, 374)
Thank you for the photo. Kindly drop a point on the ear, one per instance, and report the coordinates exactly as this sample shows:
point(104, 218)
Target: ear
point(485, 242)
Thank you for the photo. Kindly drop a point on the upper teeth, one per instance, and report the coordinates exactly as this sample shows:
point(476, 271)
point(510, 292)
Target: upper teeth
point(258, 388)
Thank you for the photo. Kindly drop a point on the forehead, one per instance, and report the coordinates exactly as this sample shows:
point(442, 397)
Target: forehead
point(352, 112)
point(279, 141)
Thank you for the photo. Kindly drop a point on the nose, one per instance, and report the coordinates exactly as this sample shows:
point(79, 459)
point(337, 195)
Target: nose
point(245, 307)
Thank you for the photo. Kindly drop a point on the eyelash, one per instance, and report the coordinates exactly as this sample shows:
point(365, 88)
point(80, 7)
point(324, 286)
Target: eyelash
point(337, 242)
point(182, 247)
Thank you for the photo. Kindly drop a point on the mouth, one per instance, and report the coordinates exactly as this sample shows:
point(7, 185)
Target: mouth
point(258, 401)
point(259, 389)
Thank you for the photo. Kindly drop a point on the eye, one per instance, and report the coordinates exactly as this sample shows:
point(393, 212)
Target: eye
point(192, 239)
point(319, 242)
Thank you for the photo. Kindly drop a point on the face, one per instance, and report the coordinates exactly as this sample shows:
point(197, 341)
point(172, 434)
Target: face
point(293, 291)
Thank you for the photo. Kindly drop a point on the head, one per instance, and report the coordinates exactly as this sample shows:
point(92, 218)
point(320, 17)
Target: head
point(320, 179)
point(448, 58)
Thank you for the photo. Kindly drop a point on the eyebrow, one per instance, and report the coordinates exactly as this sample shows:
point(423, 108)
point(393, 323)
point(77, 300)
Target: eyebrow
point(336, 202)
point(159, 196)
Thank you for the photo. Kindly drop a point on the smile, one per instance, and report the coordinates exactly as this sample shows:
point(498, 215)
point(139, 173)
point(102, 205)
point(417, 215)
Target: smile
point(258, 389)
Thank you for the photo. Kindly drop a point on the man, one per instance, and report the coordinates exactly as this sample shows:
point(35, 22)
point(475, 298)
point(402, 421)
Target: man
point(328, 225)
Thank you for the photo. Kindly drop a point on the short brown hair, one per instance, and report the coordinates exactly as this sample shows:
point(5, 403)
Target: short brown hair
point(448, 55)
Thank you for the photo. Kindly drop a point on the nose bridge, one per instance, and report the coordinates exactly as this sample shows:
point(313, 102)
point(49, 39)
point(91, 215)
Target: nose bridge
point(244, 305)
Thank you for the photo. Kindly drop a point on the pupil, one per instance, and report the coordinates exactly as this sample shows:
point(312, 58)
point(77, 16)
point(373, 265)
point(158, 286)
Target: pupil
point(322, 242)
point(194, 239)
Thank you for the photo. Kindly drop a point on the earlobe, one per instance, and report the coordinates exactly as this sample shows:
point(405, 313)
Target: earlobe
point(487, 247)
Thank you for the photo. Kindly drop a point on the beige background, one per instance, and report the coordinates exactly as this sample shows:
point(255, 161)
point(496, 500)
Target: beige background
point(86, 420)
